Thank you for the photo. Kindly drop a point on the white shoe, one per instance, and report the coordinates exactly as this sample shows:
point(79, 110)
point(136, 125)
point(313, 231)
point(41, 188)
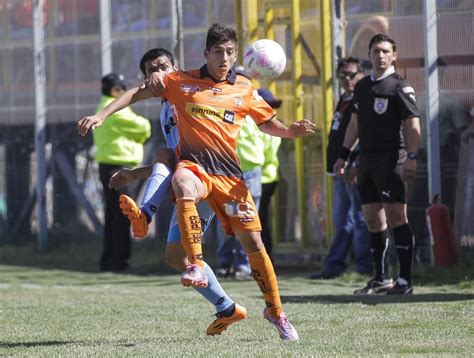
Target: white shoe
point(285, 329)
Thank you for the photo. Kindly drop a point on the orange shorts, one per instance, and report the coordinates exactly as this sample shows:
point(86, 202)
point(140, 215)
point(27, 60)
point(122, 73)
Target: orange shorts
point(229, 198)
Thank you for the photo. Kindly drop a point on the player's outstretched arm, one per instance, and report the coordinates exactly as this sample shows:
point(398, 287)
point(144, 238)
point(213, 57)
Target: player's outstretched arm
point(125, 176)
point(297, 129)
point(129, 97)
point(155, 83)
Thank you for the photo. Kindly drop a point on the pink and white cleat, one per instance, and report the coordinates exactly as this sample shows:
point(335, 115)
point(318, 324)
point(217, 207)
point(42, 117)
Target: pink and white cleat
point(194, 276)
point(285, 329)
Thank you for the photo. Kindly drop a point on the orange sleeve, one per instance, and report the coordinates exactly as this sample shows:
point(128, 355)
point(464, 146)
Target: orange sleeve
point(170, 81)
point(258, 109)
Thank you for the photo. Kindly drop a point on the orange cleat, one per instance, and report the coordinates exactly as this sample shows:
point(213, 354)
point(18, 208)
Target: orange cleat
point(135, 215)
point(221, 323)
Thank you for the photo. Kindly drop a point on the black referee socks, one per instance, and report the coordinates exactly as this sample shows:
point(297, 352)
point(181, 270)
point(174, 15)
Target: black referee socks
point(405, 243)
point(379, 246)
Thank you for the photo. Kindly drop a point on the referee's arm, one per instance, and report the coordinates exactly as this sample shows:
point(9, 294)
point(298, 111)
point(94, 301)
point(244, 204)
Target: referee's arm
point(411, 132)
point(350, 141)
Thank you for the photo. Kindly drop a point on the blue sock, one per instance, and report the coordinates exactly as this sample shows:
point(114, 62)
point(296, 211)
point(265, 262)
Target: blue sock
point(157, 188)
point(214, 292)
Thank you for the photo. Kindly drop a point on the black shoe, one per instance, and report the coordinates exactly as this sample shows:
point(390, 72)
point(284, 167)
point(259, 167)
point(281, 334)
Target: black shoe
point(375, 286)
point(400, 288)
point(323, 276)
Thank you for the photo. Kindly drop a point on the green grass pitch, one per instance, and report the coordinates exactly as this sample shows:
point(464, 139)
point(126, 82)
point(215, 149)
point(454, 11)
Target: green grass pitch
point(59, 312)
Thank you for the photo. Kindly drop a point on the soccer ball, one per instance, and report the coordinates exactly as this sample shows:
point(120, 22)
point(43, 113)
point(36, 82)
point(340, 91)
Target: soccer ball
point(264, 60)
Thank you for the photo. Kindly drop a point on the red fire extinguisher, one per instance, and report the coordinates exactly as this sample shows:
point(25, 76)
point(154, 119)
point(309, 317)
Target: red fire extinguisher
point(441, 233)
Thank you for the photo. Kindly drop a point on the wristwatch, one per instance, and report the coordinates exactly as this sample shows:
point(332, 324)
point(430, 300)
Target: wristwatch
point(411, 155)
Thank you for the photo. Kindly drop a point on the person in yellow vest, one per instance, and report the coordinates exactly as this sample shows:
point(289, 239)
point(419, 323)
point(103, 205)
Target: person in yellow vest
point(119, 143)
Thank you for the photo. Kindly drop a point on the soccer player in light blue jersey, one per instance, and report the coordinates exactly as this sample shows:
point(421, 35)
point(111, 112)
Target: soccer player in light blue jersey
point(157, 189)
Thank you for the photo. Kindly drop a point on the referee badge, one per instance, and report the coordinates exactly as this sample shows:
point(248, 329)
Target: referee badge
point(380, 105)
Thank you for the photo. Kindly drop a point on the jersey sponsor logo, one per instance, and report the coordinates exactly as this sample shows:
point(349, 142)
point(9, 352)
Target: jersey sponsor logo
point(238, 101)
point(201, 111)
point(242, 83)
point(169, 126)
point(256, 96)
point(215, 90)
point(229, 117)
point(380, 105)
point(244, 211)
point(189, 88)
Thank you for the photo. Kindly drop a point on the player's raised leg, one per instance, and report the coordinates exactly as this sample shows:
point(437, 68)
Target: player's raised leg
point(157, 189)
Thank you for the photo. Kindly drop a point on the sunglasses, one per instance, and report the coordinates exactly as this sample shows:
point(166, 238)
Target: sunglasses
point(343, 75)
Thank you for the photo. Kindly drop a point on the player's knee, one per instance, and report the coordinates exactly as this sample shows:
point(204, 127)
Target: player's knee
point(183, 186)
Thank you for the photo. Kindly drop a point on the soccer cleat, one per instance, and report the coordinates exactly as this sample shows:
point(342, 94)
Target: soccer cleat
point(194, 276)
point(285, 329)
point(375, 286)
point(221, 323)
point(136, 216)
point(401, 287)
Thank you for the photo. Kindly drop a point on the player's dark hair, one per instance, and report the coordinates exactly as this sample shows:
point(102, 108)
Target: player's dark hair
point(153, 54)
point(350, 61)
point(382, 38)
point(219, 33)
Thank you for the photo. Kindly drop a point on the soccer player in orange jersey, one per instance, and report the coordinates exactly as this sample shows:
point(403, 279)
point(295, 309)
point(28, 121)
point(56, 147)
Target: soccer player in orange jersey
point(210, 105)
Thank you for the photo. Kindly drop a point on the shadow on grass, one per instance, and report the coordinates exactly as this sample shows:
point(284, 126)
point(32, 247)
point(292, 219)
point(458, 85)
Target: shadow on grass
point(54, 343)
point(378, 300)
point(34, 344)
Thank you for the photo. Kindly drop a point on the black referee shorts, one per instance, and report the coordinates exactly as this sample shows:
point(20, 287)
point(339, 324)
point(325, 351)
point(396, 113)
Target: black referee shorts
point(379, 177)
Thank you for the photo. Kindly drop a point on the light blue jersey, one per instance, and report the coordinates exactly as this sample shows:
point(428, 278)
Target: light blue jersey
point(168, 126)
point(170, 132)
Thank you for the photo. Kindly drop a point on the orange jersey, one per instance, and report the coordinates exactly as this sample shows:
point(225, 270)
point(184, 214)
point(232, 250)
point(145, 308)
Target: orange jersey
point(210, 115)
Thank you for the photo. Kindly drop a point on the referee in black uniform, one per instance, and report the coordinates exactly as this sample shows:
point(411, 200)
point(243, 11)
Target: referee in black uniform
point(386, 121)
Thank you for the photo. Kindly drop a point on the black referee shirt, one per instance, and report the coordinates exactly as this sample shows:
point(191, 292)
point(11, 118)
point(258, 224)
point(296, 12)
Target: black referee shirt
point(340, 121)
point(381, 107)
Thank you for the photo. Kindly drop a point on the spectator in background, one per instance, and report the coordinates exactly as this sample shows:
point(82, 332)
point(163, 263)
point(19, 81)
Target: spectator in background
point(270, 176)
point(119, 142)
point(348, 217)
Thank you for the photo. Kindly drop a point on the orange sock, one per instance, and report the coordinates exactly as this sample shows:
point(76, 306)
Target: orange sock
point(190, 227)
point(264, 274)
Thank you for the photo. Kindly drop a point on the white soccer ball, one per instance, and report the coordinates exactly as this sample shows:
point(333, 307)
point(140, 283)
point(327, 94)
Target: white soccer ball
point(264, 60)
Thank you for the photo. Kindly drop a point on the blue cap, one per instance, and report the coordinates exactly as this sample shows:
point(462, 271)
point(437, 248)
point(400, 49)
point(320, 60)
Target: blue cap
point(268, 96)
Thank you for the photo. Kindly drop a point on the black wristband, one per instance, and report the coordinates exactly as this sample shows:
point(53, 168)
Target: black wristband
point(344, 153)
